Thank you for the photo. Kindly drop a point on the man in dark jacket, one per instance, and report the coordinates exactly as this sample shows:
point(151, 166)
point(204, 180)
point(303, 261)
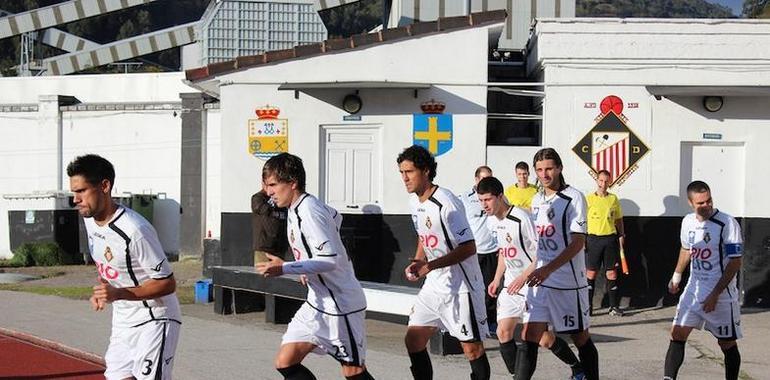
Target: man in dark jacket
point(268, 224)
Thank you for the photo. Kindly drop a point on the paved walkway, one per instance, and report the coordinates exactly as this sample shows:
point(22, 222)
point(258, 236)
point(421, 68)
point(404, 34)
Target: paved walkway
point(242, 347)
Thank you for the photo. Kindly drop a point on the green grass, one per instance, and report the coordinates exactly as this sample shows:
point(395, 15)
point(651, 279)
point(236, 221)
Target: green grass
point(186, 294)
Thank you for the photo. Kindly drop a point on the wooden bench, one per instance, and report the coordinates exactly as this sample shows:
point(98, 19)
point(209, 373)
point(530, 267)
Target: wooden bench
point(240, 289)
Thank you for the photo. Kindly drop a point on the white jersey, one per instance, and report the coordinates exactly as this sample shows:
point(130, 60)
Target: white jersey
point(516, 241)
point(479, 222)
point(313, 231)
point(127, 253)
point(557, 217)
point(441, 227)
point(712, 244)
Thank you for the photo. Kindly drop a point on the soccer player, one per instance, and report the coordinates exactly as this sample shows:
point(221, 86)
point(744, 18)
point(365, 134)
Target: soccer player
point(452, 296)
point(520, 193)
point(517, 242)
point(134, 275)
point(486, 247)
point(558, 293)
point(713, 246)
point(332, 320)
point(605, 240)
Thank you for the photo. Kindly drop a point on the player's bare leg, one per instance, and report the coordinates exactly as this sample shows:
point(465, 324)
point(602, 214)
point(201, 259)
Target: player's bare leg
point(589, 356)
point(508, 346)
point(732, 358)
point(416, 341)
point(289, 359)
point(474, 352)
point(675, 353)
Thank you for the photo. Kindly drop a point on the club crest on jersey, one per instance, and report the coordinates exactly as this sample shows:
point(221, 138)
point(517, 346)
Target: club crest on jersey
point(691, 237)
point(706, 237)
point(551, 213)
point(508, 238)
point(108, 254)
point(427, 222)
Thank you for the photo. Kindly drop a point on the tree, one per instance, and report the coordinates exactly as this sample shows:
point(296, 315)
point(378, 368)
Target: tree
point(756, 8)
point(651, 8)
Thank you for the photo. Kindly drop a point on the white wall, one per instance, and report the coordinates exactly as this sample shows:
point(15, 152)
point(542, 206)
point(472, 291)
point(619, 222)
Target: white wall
point(144, 146)
point(586, 60)
point(458, 75)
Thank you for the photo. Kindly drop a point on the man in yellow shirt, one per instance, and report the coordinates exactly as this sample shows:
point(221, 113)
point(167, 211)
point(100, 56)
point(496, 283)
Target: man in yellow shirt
point(605, 239)
point(520, 193)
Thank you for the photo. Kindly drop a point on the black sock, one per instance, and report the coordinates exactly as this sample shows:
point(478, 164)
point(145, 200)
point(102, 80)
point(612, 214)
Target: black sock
point(480, 368)
point(565, 354)
point(421, 367)
point(674, 359)
point(589, 358)
point(361, 376)
point(508, 352)
point(612, 290)
point(296, 372)
point(526, 368)
point(732, 363)
point(591, 284)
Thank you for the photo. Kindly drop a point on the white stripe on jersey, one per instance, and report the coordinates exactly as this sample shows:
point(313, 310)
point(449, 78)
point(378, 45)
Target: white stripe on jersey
point(313, 231)
point(127, 253)
point(709, 242)
point(479, 222)
point(516, 241)
point(556, 218)
point(441, 226)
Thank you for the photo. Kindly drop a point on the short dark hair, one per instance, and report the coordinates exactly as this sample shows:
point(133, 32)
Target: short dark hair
point(286, 168)
point(697, 187)
point(522, 165)
point(605, 172)
point(482, 168)
point(490, 185)
point(421, 158)
point(93, 168)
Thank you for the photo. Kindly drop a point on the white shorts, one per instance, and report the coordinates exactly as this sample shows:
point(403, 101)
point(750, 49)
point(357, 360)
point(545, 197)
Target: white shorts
point(724, 322)
point(463, 315)
point(565, 310)
point(511, 305)
point(341, 336)
point(144, 352)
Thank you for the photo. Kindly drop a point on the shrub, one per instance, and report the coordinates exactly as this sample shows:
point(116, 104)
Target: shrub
point(39, 254)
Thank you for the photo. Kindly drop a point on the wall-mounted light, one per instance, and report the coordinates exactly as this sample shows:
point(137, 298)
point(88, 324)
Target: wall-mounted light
point(712, 103)
point(351, 103)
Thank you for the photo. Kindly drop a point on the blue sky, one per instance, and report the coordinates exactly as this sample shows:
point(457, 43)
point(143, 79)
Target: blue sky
point(735, 5)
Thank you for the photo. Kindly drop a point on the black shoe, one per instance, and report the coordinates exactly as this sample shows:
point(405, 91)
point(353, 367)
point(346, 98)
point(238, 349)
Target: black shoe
point(616, 312)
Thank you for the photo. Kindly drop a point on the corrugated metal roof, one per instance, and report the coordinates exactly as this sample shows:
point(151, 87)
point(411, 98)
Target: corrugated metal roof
point(444, 24)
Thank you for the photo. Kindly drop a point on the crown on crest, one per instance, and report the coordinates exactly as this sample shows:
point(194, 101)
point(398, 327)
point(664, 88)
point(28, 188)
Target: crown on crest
point(267, 112)
point(432, 107)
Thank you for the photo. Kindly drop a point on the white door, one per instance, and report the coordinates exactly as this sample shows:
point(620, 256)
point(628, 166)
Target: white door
point(722, 167)
point(351, 168)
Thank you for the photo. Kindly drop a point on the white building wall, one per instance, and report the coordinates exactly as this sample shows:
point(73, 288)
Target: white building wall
point(213, 172)
point(459, 75)
point(144, 146)
point(585, 60)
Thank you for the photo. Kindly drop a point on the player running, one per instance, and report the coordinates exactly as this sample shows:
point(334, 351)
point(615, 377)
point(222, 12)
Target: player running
point(713, 246)
point(135, 276)
point(558, 293)
point(452, 297)
point(517, 245)
point(332, 320)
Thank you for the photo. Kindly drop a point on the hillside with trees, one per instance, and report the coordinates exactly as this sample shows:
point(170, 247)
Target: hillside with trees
point(344, 21)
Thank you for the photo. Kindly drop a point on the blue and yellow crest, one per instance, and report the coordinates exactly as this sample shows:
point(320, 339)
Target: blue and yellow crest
point(433, 132)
